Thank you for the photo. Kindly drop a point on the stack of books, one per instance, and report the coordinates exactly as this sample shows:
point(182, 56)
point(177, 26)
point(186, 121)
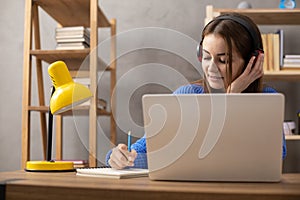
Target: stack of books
point(273, 50)
point(275, 59)
point(291, 62)
point(76, 37)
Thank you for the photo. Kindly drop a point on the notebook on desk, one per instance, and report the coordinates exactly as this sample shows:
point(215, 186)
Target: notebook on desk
point(112, 173)
point(214, 137)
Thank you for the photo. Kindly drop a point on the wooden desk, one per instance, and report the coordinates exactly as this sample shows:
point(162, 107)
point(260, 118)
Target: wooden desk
point(22, 185)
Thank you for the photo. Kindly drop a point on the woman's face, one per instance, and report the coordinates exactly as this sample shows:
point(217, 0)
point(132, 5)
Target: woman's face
point(214, 62)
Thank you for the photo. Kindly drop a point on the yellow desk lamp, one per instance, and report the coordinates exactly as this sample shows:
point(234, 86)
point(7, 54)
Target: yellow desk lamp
point(65, 95)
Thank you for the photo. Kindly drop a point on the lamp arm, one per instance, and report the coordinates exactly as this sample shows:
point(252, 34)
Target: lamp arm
point(50, 130)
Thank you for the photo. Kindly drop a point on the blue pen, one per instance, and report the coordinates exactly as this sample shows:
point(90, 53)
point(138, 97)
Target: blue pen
point(129, 141)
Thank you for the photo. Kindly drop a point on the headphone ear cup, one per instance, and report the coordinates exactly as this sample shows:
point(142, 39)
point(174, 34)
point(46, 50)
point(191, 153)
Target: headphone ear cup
point(199, 52)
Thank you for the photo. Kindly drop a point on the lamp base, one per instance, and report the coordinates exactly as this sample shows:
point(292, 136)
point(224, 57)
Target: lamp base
point(49, 166)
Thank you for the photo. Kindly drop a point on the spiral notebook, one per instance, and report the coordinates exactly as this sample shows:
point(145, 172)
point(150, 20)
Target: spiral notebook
point(112, 173)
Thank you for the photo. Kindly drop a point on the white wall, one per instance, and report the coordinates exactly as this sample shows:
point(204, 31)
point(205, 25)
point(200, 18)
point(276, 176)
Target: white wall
point(186, 17)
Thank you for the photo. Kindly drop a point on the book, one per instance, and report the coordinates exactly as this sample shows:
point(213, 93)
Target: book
point(112, 173)
point(291, 61)
point(59, 36)
point(291, 65)
point(77, 163)
point(290, 56)
point(276, 51)
point(70, 29)
point(72, 40)
point(266, 51)
point(72, 45)
point(272, 50)
point(270, 56)
point(64, 32)
point(281, 46)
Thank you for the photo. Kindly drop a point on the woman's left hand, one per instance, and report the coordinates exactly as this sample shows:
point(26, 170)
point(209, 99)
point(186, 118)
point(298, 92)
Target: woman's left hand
point(248, 76)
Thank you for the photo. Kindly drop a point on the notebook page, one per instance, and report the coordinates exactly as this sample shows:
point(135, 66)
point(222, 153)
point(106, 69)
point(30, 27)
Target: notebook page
point(112, 173)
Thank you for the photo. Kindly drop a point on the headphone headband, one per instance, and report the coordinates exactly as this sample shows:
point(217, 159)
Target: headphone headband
point(251, 31)
point(247, 27)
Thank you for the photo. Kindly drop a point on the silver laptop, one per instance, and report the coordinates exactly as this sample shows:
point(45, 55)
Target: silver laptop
point(214, 137)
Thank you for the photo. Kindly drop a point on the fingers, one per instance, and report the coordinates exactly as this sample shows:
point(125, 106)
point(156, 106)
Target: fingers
point(114, 165)
point(252, 72)
point(255, 70)
point(250, 65)
point(121, 157)
point(132, 155)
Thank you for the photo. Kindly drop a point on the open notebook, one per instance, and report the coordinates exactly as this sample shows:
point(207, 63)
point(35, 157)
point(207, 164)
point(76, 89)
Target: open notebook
point(112, 173)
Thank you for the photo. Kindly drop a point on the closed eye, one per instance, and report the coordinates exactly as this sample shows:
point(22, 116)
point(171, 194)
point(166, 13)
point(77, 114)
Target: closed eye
point(206, 58)
point(223, 61)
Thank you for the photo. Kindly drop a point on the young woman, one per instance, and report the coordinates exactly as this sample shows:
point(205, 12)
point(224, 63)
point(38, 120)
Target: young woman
point(232, 58)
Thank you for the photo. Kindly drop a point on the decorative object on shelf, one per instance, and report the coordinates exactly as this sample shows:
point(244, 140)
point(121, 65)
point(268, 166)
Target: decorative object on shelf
point(290, 4)
point(244, 5)
point(289, 127)
point(65, 94)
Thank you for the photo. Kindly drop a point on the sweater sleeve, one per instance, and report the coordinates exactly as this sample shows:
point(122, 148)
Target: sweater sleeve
point(284, 149)
point(141, 159)
point(189, 89)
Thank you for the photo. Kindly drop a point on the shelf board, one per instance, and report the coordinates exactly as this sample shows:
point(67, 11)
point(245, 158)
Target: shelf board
point(52, 55)
point(267, 16)
point(78, 110)
point(65, 12)
point(287, 75)
point(292, 137)
point(73, 58)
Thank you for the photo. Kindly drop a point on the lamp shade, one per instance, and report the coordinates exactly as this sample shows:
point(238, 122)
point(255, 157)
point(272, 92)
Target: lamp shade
point(67, 93)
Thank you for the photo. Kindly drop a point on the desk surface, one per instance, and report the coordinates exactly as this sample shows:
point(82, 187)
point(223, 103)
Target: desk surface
point(26, 185)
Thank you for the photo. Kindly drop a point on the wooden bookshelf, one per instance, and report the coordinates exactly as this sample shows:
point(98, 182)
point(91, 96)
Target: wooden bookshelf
point(72, 12)
point(73, 58)
point(274, 16)
point(78, 110)
point(66, 13)
point(292, 137)
point(282, 75)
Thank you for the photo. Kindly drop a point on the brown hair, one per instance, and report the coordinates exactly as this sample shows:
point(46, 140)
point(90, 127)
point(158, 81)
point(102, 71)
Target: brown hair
point(236, 34)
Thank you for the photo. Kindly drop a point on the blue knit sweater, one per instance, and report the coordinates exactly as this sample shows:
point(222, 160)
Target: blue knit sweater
point(140, 145)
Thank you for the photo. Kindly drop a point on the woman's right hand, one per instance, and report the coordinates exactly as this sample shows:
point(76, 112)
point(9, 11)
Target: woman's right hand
point(121, 157)
point(250, 74)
